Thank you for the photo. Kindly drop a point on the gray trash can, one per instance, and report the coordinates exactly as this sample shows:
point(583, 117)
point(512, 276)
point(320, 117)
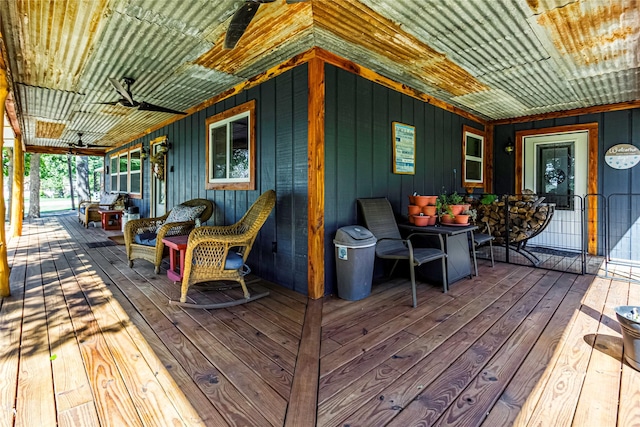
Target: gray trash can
point(128, 214)
point(355, 249)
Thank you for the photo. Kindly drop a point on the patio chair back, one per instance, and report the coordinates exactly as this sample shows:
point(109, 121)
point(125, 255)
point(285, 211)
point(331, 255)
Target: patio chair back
point(379, 219)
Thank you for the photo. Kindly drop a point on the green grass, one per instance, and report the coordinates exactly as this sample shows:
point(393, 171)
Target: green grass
point(52, 204)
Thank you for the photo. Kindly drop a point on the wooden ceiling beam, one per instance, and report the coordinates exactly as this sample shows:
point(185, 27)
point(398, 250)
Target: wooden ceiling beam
point(568, 113)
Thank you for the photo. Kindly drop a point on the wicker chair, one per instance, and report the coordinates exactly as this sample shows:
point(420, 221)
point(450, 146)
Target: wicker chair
point(143, 237)
point(380, 220)
point(219, 253)
point(88, 210)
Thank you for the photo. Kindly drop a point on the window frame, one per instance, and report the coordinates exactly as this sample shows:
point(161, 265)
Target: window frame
point(468, 131)
point(114, 171)
point(224, 119)
point(134, 149)
point(118, 174)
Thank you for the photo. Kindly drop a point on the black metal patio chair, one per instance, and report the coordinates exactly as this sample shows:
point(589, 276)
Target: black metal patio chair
point(380, 220)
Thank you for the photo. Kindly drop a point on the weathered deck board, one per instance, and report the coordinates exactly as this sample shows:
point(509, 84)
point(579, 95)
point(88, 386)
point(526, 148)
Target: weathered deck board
point(629, 410)
point(560, 396)
point(302, 406)
point(519, 398)
point(513, 346)
point(35, 402)
point(598, 401)
point(472, 404)
point(139, 377)
point(11, 314)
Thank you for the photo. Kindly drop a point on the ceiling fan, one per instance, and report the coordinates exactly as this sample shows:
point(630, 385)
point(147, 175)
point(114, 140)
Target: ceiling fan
point(81, 143)
point(242, 18)
point(126, 98)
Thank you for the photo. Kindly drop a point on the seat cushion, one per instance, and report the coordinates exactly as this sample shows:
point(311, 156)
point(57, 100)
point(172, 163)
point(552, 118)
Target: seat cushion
point(108, 198)
point(147, 239)
point(481, 238)
point(233, 261)
point(181, 213)
point(420, 255)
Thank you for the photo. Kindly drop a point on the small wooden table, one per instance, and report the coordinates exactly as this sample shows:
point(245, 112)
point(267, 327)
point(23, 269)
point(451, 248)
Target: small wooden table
point(179, 244)
point(110, 216)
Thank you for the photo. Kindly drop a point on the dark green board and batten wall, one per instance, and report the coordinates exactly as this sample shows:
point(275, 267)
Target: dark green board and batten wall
point(359, 116)
point(358, 150)
point(281, 164)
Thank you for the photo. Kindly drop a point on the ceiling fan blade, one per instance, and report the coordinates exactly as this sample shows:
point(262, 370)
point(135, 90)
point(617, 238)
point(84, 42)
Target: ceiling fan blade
point(145, 106)
point(105, 103)
point(121, 90)
point(239, 23)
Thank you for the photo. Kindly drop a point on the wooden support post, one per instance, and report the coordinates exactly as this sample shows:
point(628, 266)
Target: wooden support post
point(17, 196)
point(4, 263)
point(315, 148)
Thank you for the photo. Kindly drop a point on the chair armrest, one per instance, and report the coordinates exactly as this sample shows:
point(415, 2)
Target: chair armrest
point(175, 229)
point(431, 235)
point(87, 203)
point(142, 225)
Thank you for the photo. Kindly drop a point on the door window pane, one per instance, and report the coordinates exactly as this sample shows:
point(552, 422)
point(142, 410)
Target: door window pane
point(555, 174)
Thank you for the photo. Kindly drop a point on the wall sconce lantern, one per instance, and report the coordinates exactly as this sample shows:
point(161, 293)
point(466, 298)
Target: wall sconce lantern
point(510, 147)
point(164, 147)
point(158, 160)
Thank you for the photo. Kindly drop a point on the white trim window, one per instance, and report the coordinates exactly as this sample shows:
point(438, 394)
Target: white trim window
point(135, 172)
point(123, 172)
point(113, 172)
point(473, 151)
point(230, 150)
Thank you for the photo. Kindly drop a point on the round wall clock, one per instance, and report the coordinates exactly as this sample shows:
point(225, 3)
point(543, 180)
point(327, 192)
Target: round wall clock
point(622, 156)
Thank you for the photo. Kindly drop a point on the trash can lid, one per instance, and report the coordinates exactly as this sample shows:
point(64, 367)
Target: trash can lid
point(354, 236)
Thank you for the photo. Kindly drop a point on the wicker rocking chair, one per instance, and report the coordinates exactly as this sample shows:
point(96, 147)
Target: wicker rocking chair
point(143, 237)
point(219, 253)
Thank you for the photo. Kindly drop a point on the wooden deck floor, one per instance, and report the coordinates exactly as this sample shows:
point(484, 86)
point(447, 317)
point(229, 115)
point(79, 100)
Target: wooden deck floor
point(85, 340)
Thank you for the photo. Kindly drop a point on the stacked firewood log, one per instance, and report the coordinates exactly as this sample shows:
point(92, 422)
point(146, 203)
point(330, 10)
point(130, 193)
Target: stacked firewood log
point(527, 217)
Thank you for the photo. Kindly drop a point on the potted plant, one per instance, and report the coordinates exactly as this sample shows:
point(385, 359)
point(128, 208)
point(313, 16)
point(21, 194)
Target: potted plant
point(455, 202)
point(487, 199)
point(447, 217)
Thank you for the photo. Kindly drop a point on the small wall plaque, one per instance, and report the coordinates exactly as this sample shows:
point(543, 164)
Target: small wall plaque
point(622, 156)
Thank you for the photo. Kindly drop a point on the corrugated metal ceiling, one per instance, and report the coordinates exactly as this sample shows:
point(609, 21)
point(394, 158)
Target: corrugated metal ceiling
point(493, 58)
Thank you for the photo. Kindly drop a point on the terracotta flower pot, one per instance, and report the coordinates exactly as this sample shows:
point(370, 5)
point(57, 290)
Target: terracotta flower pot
point(421, 200)
point(432, 200)
point(429, 210)
point(432, 220)
point(446, 219)
point(414, 210)
point(456, 209)
point(421, 220)
point(461, 219)
point(412, 200)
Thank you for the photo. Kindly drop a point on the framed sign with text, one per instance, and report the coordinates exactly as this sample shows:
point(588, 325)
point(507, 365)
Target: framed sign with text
point(404, 149)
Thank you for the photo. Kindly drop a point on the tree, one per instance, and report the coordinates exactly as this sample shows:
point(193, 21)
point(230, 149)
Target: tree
point(34, 186)
point(82, 178)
